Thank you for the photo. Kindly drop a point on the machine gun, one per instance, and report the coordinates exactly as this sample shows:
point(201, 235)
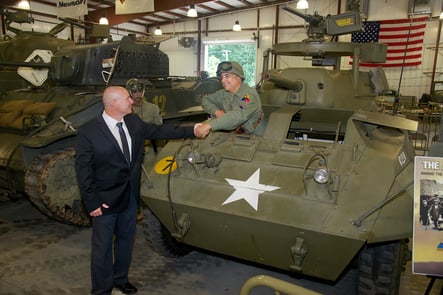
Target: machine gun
point(20, 17)
point(332, 25)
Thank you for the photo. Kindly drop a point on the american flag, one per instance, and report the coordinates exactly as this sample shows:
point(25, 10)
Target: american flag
point(402, 36)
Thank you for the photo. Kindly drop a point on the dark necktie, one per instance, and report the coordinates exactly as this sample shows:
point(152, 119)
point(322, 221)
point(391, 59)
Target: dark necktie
point(124, 142)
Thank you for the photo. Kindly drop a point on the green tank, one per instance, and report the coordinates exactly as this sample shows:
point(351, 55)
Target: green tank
point(56, 87)
point(23, 45)
point(329, 186)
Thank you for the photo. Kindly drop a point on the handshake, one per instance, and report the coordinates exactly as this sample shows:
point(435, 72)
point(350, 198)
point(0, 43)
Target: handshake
point(201, 130)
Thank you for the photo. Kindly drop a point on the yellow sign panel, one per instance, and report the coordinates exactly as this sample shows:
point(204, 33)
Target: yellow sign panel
point(344, 22)
point(164, 165)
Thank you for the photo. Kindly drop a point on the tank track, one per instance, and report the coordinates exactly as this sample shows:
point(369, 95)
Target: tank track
point(51, 184)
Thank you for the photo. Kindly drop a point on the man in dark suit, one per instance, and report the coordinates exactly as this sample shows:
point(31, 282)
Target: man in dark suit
point(109, 180)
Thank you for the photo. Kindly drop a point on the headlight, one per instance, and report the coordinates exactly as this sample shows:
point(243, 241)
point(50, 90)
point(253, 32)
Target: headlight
point(321, 175)
point(213, 160)
point(210, 160)
point(194, 157)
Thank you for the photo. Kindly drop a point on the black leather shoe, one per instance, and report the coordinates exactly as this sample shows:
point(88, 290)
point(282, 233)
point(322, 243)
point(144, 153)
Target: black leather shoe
point(127, 288)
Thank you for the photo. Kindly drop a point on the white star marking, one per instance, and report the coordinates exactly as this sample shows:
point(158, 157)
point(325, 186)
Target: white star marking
point(248, 190)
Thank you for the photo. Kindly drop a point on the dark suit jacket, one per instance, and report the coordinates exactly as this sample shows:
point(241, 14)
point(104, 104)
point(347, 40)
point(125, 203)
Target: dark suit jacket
point(103, 174)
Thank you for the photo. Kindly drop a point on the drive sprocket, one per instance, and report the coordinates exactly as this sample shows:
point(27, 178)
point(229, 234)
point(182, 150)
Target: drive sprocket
point(51, 184)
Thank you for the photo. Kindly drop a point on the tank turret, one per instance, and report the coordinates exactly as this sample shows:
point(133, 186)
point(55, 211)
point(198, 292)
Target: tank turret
point(14, 51)
point(319, 26)
point(78, 64)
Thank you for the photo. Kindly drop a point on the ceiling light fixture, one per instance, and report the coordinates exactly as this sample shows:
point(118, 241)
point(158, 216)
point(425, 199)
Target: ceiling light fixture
point(302, 4)
point(236, 27)
point(24, 4)
point(103, 21)
point(158, 32)
point(192, 12)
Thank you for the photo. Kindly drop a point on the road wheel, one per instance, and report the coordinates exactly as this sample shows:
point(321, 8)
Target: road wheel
point(160, 239)
point(380, 267)
point(51, 184)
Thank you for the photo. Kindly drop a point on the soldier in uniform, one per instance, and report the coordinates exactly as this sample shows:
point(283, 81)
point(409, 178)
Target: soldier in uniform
point(235, 107)
point(147, 111)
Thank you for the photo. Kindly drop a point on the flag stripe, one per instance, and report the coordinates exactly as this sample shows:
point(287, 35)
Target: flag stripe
point(404, 28)
point(403, 43)
point(406, 20)
point(391, 65)
point(404, 38)
point(393, 51)
point(381, 38)
point(410, 56)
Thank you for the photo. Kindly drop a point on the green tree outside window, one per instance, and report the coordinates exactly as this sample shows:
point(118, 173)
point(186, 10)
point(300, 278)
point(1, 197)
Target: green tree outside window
point(243, 53)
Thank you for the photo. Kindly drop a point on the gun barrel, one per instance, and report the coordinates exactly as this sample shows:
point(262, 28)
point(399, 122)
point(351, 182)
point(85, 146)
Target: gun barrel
point(306, 17)
point(35, 65)
point(295, 85)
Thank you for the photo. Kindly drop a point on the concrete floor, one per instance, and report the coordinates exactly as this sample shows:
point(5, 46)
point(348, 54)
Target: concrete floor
point(42, 256)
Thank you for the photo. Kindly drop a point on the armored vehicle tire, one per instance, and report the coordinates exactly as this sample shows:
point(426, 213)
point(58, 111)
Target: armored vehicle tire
point(51, 184)
point(160, 239)
point(380, 267)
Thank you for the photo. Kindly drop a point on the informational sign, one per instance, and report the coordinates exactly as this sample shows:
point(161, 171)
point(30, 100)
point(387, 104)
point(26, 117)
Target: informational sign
point(71, 8)
point(427, 247)
point(133, 6)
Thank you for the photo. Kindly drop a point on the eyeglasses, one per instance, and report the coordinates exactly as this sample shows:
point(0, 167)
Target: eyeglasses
point(224, 66)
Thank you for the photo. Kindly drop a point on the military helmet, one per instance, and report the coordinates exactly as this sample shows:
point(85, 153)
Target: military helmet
point(230, 67)
point(133, 85)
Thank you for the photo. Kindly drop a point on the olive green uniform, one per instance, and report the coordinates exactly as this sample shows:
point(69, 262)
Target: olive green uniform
point(243, 110)
point(148, 112)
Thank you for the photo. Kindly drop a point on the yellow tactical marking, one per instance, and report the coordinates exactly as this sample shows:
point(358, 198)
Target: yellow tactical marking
point(164, 165)
point(160, 101)
point(344, 22)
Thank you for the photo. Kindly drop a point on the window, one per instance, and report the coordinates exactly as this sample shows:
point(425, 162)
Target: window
point(243, 52)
